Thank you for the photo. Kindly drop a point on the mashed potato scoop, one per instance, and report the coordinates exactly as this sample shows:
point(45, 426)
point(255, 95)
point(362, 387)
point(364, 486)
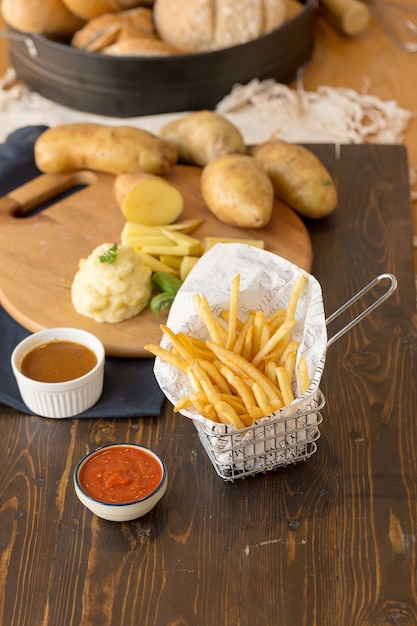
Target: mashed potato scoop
point(112, 284)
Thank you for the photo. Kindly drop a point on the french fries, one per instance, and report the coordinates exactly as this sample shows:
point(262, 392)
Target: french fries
point(246, 369)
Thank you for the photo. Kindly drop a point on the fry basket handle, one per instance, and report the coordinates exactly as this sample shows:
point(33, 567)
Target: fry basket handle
point(390, 290)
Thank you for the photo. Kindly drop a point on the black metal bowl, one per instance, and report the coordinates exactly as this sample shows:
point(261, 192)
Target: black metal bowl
point(132, 86)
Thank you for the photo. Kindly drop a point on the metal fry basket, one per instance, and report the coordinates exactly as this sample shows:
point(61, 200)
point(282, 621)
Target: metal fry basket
point(291, 434)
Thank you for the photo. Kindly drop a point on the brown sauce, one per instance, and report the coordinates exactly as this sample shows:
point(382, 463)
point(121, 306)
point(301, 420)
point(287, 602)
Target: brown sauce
point(58, 361)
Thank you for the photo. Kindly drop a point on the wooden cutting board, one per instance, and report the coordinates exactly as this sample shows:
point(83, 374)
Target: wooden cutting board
point(40, 251)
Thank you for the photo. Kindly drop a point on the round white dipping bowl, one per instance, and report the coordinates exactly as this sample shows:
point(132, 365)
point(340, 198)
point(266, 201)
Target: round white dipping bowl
point(61, 399)
point(121, 511)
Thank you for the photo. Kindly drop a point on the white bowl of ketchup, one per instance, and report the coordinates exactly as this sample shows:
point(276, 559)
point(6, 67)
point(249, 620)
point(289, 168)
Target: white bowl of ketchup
point(120, 482)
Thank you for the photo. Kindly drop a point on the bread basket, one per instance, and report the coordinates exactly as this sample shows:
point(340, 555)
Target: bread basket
point(134, 86)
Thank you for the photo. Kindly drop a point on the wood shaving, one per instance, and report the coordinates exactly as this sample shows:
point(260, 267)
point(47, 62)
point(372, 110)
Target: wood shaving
point(327, 115)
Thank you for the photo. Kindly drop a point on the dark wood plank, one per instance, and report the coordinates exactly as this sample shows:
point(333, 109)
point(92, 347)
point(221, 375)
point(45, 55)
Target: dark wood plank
point(368, 435)
point(330, 541)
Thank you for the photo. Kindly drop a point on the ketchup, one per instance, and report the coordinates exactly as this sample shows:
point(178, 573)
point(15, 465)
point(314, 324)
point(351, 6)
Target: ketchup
point(120, 474)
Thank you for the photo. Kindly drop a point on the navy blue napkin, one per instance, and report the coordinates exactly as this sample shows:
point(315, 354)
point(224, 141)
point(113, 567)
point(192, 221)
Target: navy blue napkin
point(130, 387)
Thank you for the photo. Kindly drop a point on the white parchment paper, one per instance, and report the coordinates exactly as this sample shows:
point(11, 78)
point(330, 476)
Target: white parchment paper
point(266, 281)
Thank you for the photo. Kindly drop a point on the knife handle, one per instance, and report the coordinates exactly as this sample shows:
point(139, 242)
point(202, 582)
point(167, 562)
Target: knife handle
point(42, 189)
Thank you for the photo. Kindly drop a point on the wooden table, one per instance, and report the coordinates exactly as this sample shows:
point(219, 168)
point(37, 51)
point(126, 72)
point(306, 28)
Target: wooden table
point(330, 541)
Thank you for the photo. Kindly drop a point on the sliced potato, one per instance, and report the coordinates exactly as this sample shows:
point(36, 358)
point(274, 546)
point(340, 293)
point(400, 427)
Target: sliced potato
point(209, 242)
point(193, 244)
point(133, 229)
point(147, 199)
point(155, 264)
point(171, 260)
point(187, 264)
point(186, 226)
point(162, 248)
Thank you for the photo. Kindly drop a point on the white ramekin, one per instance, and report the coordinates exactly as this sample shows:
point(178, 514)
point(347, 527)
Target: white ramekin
point(64, 399)
point(126, 511)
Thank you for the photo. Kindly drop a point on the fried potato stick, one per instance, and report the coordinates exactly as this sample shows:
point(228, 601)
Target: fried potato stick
point(168, 356)
point(228, 415)
point(241, 388)
point(289, 364)
point(201, 382)
point(216, 331)
point(203, 408)
point(185, 402)
point(258, 324)
point(275, 319)
point(176, 343)
point(263, 401)
point(303, 375)
point(294, 297)
point(284, 385)
point(247, 344)
point(216, 375)
point(281, 333)
point(239, 343)
point(245, 369)
point(233, 308)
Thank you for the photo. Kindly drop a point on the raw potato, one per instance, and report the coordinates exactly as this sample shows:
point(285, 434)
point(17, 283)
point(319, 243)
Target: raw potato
point(238, 191)
point(187, 264)
point(147, 199)
point(111, 149)
point(299, 177)
point(203, 136)
point(162, 248)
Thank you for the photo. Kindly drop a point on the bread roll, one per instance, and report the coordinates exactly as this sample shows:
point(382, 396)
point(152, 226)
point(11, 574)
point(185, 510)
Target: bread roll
point(89, 9)
point(200, 25)
point(141, 47)
point(107, 29)
point(49, 17)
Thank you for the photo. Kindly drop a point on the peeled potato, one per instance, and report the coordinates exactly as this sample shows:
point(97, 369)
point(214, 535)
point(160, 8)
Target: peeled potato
point(299, 178)
point(238, 191)
point(147, 199)
point(203, 136)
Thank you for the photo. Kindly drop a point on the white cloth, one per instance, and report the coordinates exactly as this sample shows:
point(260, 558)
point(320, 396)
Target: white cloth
point(259, 109)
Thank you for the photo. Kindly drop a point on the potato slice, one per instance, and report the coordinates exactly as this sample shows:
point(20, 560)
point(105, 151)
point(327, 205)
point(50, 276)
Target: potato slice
point(187, 264)
point(209, 242)
point(155, 264)
point(186, 226)
point(147, 199)
point(194, 245)
point(133, 229)
point(171, 260)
